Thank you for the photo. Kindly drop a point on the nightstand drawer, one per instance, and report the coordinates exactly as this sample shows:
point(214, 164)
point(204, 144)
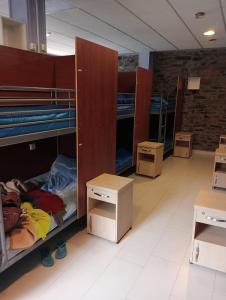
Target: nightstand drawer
point(146, 150)
point(211, 217)
point(102, 195)
point(182, 138)
point(220, 159)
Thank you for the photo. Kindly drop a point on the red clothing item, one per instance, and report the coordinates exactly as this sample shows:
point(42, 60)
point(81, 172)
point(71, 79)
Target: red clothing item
point(46, 201)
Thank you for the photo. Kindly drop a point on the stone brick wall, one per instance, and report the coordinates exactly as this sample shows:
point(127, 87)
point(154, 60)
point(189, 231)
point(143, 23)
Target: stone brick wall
point(204, 111)
point(128, 63)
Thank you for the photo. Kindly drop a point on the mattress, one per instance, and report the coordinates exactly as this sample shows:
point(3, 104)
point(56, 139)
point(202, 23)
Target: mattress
point(125, 110)
point(19, 120)
point(166, 104)
point(125, 98)
point(124, 159)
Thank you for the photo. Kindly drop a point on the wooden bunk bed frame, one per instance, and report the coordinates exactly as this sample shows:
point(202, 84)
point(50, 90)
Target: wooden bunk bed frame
point(92, 73)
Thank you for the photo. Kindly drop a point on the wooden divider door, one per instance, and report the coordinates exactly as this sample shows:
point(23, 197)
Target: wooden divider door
point(142, 107)
point(96, 94)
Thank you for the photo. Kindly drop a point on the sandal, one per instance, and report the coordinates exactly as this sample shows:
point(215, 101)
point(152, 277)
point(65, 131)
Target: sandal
point(61, 250)
point(47, 260)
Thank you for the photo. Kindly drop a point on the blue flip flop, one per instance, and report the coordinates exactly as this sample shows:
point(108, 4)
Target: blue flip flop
point(61, 250)
point(47, 260)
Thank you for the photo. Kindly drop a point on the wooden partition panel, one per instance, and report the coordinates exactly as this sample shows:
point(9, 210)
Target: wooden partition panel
point(179, 104)
point(126, 82)
point(25, 68)
point(142, 107)
point(96, 90)
point(17, 161)
point(65, 71)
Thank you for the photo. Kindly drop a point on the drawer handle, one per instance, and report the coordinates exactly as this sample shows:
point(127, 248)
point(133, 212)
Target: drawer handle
point(145, 150)
point(90, 223)
point(209, 218)
point(101, 195)
point(197, 253)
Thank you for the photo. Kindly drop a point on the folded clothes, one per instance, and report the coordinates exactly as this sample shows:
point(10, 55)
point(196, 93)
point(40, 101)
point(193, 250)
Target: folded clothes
point(46, 201)
point(40, 219)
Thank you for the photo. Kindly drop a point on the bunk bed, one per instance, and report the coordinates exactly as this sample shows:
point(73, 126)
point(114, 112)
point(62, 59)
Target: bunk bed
point(29, 114)
point(162, 121)
point(43, 120)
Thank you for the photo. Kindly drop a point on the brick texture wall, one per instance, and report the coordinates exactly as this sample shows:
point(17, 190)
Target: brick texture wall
point(204, 112)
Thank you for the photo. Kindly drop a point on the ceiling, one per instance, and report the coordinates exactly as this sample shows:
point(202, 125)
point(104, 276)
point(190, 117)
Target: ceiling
point(132, 26)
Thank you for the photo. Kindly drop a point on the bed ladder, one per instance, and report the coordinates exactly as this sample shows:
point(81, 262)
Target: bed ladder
point(162, 122)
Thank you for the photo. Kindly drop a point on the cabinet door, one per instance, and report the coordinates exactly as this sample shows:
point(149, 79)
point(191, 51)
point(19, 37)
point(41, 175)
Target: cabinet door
point(146, 168)
point(219, 180)
point(102, 227)
point(209, 255)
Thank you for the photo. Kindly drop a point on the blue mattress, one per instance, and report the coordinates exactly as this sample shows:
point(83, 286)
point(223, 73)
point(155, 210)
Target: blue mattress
point(20, 119)
point(166, 104)
point(125, 104)
point(125, 98)
point(124, 160)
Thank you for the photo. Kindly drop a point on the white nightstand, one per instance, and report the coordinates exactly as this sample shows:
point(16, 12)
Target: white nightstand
point(109, 206)
point(149, 158)
point(209, 231)
point(219, 172)
point(183, 144)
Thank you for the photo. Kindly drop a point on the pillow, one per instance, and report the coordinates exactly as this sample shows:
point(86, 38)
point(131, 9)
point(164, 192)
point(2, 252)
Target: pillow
point(62, 174)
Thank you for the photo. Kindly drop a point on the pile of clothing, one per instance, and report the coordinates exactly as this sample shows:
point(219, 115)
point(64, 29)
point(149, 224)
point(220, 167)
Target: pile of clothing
point(27, 212)
point(28, 206)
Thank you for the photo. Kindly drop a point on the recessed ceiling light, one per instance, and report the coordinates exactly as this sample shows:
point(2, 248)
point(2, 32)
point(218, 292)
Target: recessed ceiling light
point(48, 34)
point(209, 32)
point(199, 14)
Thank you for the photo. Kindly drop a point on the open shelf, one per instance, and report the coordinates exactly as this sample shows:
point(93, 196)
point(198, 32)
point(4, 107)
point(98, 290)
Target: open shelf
point(147, 157)
point(104, 209)
point(212, 234)
point(184, 144)
point(220, 167)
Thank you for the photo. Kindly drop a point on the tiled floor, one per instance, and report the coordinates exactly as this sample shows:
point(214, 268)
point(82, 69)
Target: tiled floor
point(150, 263)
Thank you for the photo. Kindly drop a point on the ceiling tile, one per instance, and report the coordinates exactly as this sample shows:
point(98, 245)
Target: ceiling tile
point(83, 20)
point(162, 18)
point(110, 12)
point(212, 20)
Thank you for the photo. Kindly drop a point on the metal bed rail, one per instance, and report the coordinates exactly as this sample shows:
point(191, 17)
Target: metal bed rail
point(32, 107)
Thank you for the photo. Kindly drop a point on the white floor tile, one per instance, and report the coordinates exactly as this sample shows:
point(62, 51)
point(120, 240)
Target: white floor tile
point(218, 296)
point(173, 245)
point(155, 281)
point(115, 282)
point(138, 247)
point(220, 283)
point(194, 283)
